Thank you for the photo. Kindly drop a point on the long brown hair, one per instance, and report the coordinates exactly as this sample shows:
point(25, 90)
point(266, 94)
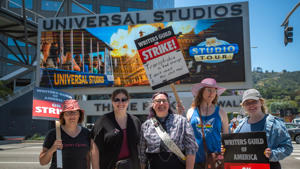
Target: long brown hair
point(199, 98)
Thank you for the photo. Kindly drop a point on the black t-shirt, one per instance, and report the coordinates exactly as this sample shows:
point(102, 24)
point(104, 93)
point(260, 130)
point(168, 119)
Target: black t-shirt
point(75, 150)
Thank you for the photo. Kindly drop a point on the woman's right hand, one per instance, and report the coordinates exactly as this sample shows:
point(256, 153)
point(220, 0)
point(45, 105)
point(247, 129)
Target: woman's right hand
point(56, 145)
point(222, 150)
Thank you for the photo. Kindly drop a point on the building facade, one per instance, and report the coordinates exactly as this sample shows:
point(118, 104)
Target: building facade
point(11, 115)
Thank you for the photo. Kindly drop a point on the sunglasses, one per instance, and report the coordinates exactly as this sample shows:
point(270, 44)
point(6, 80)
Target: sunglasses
point(69, 113)
point(120, 100)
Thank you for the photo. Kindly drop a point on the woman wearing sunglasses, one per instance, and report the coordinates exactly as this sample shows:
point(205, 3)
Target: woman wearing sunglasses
point(74, 143)
point(116, 135)
point(278, 138)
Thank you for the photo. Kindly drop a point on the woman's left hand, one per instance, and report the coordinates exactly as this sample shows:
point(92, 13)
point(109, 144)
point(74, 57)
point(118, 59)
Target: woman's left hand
point(180, 108)
point(268, 152)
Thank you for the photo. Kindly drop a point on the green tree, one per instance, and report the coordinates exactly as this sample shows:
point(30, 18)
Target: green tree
point(4, 90)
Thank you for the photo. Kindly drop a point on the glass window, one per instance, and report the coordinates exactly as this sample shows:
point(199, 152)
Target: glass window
point(18, 4)
point(78, 9)
point(50, 5)
point(12, 57)
point(10, 42)
point(134, 9)
point(109, 9)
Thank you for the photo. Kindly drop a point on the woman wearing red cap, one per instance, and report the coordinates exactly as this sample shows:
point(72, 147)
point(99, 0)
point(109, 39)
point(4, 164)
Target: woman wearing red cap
point(115, 136)
point(74, 143)
point(205, 116)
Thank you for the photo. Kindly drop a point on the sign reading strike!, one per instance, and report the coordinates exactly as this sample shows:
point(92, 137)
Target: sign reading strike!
point(162, 58)
point(47, 103)
point(245, 150)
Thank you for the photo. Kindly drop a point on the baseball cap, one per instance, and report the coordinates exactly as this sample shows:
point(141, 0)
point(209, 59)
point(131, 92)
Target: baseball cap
point(252, 94)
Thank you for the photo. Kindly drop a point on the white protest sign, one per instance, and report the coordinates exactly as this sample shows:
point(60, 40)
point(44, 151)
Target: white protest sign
point(162, 58)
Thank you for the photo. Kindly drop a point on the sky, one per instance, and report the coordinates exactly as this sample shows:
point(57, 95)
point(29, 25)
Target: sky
point(266, 34)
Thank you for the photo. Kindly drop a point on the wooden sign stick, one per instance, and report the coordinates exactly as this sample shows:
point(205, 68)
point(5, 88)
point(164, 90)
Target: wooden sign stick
point(176, 97)
point(58, 151)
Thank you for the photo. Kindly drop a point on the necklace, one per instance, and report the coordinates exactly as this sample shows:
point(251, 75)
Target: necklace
point(204, 114)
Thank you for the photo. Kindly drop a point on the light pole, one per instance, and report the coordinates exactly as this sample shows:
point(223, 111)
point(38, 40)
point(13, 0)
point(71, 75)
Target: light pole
point(288, 30)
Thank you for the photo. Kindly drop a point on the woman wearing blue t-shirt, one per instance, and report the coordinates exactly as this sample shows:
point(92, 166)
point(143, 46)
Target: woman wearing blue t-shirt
point(278, 138)
point(205, 115)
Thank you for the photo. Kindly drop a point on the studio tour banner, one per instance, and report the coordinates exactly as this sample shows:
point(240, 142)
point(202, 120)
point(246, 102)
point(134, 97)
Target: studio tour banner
point(47, 103)
point(245, 150)
point(100, 50)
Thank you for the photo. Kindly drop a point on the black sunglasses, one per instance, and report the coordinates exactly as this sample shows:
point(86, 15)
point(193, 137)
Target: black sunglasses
point(120, 100)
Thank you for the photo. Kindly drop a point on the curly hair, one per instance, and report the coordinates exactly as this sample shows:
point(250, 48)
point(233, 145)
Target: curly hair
point(152, 112)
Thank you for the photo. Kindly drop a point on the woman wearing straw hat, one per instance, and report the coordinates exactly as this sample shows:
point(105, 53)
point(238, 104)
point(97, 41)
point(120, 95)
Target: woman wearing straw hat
point(278, 138)
point(74, 143)
point(205, 116)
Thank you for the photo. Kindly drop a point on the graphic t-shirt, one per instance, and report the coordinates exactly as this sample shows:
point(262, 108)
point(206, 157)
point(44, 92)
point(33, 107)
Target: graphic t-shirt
point(75, 149)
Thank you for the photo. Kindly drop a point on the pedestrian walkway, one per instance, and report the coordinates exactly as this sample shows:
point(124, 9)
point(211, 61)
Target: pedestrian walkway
point(296, 152)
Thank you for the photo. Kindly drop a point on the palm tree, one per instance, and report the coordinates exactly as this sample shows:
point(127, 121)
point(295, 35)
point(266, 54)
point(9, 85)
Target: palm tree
point(4, 90)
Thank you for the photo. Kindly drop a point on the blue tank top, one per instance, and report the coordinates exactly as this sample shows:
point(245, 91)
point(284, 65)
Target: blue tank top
point(212, 130)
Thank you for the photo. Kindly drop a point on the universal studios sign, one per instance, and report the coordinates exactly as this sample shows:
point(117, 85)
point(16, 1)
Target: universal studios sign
point(143, 17)
point(217, 35)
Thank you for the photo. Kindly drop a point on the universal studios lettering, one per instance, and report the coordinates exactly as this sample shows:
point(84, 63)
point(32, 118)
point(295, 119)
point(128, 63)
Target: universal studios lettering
point(148, 16)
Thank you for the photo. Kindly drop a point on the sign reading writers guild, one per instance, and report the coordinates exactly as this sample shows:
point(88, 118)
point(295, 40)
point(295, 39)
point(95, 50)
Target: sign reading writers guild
point(162, 58)
point(245, 150)
point(47, 103)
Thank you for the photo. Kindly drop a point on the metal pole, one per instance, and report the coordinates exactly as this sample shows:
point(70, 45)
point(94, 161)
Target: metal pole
point(290, 13)
point(25, 29)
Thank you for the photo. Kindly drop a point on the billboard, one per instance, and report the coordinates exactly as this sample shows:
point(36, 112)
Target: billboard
point(99, 50)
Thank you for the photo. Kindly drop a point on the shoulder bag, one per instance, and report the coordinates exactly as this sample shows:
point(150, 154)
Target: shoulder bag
point(167, 140)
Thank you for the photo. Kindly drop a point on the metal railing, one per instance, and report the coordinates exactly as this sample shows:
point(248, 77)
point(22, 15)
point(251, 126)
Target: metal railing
point(17, 93)
point(19, 10)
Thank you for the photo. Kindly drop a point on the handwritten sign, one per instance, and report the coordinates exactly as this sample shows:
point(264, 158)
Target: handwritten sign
point(47, 103)
point(245, 150)
point(162, 58)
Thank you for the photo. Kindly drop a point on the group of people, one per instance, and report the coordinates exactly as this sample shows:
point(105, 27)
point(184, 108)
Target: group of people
point(50, 57)
point(167, 139)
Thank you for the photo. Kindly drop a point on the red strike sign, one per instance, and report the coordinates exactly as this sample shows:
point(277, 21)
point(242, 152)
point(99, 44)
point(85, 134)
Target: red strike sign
point(46, 109)
point(159, 49)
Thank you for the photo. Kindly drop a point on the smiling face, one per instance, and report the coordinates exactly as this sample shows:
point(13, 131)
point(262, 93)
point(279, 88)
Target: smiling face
point(209, 94)
point(161, 105)
point(71, 117)
point(252, 107)
point(120, 103)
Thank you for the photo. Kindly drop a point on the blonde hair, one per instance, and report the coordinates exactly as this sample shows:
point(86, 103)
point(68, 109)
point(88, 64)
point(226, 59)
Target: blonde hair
point(263, 107)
